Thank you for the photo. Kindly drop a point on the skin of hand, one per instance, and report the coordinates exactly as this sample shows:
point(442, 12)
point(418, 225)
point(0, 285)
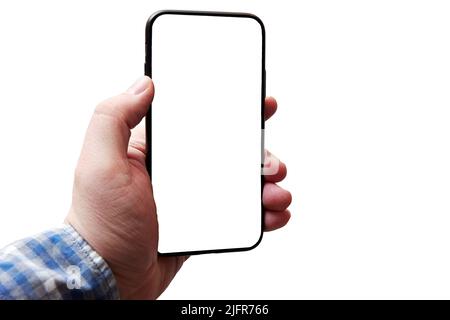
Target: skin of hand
point(112, 202)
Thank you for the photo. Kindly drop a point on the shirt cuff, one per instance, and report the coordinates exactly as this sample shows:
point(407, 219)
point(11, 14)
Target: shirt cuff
point(56, 264)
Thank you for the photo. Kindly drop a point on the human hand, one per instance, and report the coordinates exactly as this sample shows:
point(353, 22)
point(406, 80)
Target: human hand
point(112, 203)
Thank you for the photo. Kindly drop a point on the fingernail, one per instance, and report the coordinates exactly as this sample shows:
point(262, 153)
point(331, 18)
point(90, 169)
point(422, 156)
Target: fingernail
point(140, 85)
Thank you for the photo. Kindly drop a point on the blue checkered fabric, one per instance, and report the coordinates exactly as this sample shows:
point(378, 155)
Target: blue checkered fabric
point(56, 264)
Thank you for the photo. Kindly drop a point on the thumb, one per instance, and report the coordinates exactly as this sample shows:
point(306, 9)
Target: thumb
point(108, 134)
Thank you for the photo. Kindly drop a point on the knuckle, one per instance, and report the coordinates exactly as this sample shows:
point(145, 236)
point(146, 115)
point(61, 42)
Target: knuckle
point(106, 107)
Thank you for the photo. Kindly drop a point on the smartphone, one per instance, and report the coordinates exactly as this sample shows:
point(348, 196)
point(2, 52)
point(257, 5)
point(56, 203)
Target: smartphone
point(205, 129)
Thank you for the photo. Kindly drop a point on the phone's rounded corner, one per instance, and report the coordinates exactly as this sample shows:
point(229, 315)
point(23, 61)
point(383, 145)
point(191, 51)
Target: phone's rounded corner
point(259, 21)
point(256, 244)
point(164, 254)
point(154, 16)
point(151, 20)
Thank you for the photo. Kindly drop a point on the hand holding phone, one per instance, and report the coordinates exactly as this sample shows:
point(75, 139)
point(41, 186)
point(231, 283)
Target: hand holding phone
point(113, 207)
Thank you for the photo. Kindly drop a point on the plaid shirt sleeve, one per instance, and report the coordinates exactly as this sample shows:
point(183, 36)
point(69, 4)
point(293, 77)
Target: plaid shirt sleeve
point(56, 264)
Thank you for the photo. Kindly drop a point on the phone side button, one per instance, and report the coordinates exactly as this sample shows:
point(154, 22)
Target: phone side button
point(264, 83)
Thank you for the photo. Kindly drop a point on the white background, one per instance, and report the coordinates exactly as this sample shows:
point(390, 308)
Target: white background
point(363, 125)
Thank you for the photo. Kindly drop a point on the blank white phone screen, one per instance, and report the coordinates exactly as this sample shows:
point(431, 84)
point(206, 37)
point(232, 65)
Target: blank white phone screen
point(205, 143)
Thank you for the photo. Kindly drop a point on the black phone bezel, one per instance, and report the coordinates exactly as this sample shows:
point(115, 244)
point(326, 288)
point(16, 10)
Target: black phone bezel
point(148, 122)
